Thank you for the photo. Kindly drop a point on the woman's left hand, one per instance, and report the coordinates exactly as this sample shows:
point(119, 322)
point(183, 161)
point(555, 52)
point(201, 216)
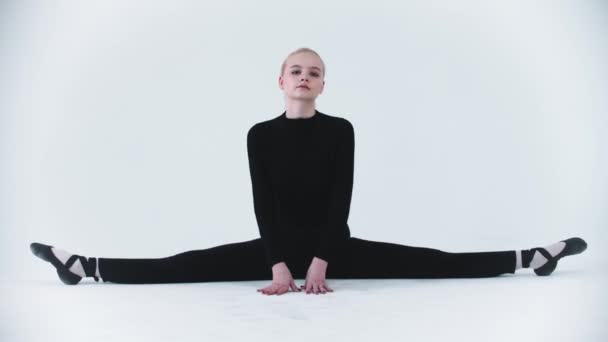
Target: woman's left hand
point(315, 277)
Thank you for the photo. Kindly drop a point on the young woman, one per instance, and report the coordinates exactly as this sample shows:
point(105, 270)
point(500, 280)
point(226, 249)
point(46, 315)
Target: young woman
point(301, 164)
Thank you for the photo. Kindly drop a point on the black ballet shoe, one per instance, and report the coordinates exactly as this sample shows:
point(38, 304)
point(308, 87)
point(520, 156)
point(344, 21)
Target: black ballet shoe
point(45, 253)
point(573, 246)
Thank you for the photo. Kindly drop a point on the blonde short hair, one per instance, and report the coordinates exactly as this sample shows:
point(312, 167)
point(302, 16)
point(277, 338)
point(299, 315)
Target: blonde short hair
point(303, 49)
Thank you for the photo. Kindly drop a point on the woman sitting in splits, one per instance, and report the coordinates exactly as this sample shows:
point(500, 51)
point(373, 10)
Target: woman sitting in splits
point(301, 164)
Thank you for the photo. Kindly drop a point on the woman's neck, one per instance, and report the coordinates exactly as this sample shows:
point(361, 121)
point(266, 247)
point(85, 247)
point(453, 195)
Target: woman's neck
point(300, 109)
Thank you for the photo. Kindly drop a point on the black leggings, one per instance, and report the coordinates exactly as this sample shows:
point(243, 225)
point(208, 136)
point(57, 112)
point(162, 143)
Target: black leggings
point(359, 259)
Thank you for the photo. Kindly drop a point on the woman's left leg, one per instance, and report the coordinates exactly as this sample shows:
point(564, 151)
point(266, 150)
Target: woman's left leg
point(374, 259)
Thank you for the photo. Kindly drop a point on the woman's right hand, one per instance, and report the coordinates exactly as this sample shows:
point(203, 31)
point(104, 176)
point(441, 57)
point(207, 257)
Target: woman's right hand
point(282, 281)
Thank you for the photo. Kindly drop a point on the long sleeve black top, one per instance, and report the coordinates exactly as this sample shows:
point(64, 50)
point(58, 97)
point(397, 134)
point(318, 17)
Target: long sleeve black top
point(302, 180)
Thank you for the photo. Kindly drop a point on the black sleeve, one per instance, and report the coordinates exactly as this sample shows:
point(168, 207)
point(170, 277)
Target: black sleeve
point(340, 194)
point(262, 199)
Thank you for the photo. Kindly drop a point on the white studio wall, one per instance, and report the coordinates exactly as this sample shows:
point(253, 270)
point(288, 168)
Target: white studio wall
point(479, 125)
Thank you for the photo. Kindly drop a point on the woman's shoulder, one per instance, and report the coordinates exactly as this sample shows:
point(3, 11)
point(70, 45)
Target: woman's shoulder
point(260, 126)
point(337, 121)
point(340, 123)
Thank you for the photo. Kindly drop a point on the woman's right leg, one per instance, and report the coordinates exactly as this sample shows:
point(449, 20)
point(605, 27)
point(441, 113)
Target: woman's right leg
point(230, 262)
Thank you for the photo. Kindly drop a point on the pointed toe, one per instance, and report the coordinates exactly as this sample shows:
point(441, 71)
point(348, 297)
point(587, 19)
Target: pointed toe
point(42, 251)
point(45, 253)
point(573, 246)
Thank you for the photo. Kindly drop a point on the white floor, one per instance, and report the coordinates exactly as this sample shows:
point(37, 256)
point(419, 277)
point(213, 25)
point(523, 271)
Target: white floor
point(566, 306)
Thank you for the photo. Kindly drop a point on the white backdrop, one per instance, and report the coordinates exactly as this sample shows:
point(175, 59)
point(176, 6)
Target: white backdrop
point(479, 125)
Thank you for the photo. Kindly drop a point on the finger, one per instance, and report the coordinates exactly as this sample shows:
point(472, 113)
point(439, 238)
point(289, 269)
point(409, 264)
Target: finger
point(282, 289)
point(294, 287)
point(316, 288)
point(322, 288)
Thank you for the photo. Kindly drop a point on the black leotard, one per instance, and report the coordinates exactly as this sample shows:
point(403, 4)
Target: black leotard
point(302, 180)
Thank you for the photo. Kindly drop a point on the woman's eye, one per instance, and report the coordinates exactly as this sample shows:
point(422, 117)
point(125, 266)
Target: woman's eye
point(295, 72)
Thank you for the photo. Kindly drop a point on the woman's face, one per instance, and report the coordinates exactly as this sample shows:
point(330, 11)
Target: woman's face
point(303, 77)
